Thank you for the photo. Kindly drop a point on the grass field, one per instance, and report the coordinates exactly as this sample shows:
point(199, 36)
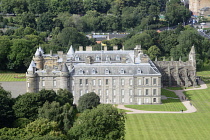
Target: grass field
point(8, 77)
point(167, 105)
point(192, 126)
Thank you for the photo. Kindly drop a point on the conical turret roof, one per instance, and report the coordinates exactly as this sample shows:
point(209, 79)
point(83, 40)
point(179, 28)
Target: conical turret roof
point(70, 52)
point(37, 52)
point(31, 66)
point(192, 49)
point(40, 49)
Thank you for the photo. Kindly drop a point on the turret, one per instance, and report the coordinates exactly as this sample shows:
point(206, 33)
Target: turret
point(70, 52)
point(64, 75)
point(38, 58)
point(192, 56)
point(31, 78)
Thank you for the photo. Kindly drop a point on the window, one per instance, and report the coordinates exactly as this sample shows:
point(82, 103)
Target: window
point(114, 92)
point(146, 100)
point(77, 58)
point(106, 71)
point(28, 84)
point(154, 100)
point(154, 92)
point(99, 82)
point(97, 58)
point(80, 81)
point(139, 92)
point(122, 82)
point(107, 58)
point(86, 90)
point(107, 92)
point(122, 92)
point(43, 83)
point(123, 100)
point(93, 71)
point(131, 82)
point(131, 92)
point(147, 81)
point(99, 92)
point(147, 92)
point(94, 82)
point(122, 71)
point(114, 100)
point(86, 81)
point(114, 82)
point(117, 58)
point(139, 82)
point(107, 100)
point(54, 83)
point(107, 81)
point(138, 71)
point(80, 92)
point(72, 82)
point(80, 71)
point(131, 100)
point(154, 81)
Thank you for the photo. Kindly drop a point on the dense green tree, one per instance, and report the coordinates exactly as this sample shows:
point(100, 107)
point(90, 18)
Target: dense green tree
point(88, 101)
point(27, 20)
point(99, 5)
point(37, 6)
point(20, 6)
point(21, 54)
point(6, 111)
point(153, 52)
point(64, 96)
point(45, 22)
point(26, 105)
point(5, 45)
point(101, 123)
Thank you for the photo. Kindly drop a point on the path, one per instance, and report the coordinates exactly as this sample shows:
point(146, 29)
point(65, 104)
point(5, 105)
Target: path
point(180, 94)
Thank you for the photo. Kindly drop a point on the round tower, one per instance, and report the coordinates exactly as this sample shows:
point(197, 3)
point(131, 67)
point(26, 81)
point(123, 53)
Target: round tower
point(38, 59)
point(64, 76)
point(31, 78)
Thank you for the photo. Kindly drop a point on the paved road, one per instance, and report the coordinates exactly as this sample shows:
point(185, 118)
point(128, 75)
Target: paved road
point(179, 93)
point(16, 88)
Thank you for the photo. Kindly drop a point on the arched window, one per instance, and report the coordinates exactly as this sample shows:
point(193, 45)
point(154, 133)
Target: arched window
point(93, 71)
point(138, 71)
point(106, 71)
point(97, 58)
point(81, 71)
point(122, 71)
point(77, 58)
point(117, 58)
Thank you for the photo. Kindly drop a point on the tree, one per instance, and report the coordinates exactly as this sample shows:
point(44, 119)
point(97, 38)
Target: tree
point(5, 45)
point(153, 52)
point(26, 105)
point(64, 96)
point(27, 20)
point(45, 22)
point(88, 101)
point(101, 123)
point(21, 54)
point(6, 111)
point(37, 6)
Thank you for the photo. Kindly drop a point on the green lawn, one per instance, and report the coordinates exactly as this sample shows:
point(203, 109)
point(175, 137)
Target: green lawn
point(192, 126)
point(167, 105)
point(8, 77)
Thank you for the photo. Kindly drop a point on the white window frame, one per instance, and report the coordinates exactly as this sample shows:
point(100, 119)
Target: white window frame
point(99, 82)
point(130, 92)
point(94, 82)
point(122, 82)
point(122, 92)
point(131, 82)
point(139, 82)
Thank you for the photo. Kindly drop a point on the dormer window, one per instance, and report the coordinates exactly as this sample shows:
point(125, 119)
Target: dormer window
point(77, 58)
point(122, 71)
point(139, 71)
point(107, 58)
point(81, 71)
point(117, 58)
point(93, 71)
point(97, 58)
point(106, 71)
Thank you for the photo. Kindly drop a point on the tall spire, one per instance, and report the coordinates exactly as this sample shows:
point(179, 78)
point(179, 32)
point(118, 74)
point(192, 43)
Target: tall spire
point(70, 52)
